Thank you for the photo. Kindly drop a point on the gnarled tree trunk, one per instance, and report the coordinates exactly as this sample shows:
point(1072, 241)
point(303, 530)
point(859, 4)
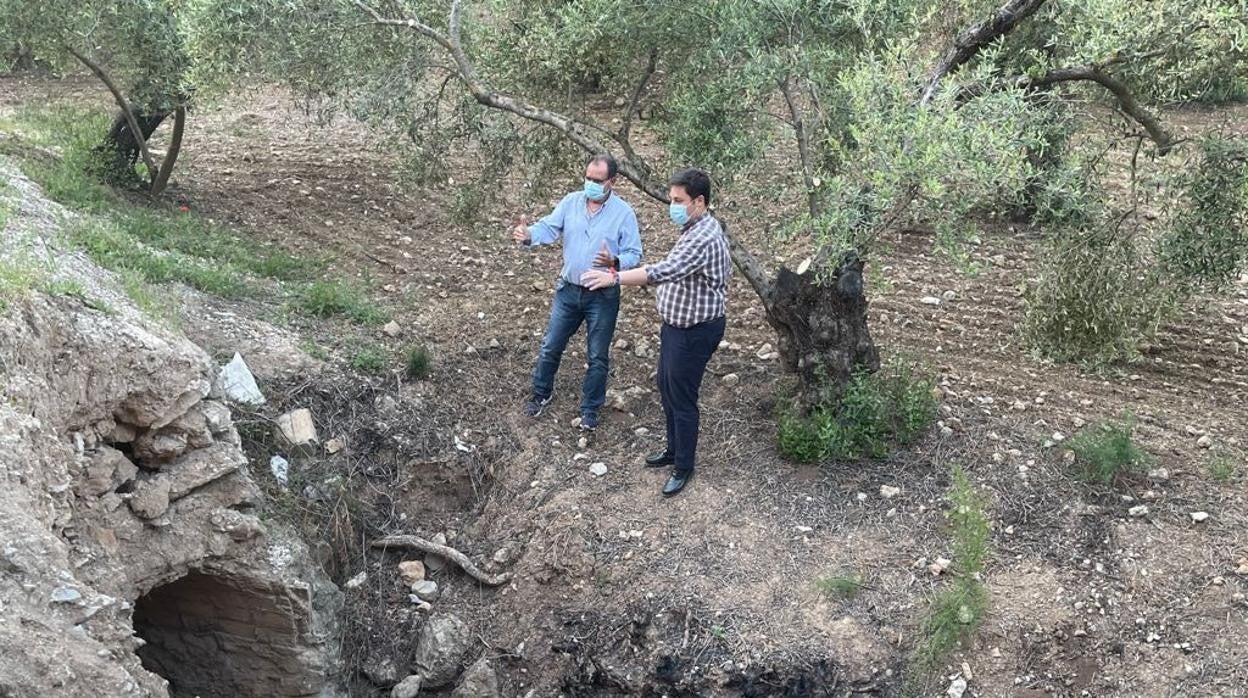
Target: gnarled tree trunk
point(121, 150)
point(822, 329)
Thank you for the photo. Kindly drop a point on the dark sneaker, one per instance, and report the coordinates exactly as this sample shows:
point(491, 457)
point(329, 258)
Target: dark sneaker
point(589, 420)
point(535, 405)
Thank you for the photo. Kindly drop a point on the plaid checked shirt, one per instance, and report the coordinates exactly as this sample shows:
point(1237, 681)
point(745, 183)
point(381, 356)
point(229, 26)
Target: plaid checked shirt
point(693, 279)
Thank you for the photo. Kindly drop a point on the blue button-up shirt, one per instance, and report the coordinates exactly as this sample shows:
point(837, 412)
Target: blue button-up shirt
point(583, 235)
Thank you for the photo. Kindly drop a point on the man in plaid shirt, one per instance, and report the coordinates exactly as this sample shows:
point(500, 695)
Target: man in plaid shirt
point(692, 290)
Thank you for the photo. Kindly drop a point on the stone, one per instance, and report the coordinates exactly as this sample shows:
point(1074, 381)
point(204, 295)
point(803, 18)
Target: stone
point(957, 688)
point(732, 379)
point(296, 430)
point(1138, 511)
point(478, 681)
point(64, 594)
point(621, 344)
point(763, 352)
point(155, 447)
point(280, 467)
point(392, 329)
point(238, 384)
point(641, 431)
point(1199, 516)
point(412, 571)
point(888, 491)
point(1205, 441)
point(357, 581)
point(929, 300)
point(407, 688)
point(334, 445)
point(949, 295)
point(382, 670)
point(440, 646)
point(598, 469)
point(1159, 475)
point(939, 567)
point(642, 349)
point(151, 499)
point(426, 590)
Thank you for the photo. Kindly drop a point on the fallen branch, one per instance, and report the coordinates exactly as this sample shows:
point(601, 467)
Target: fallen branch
point(418, 543)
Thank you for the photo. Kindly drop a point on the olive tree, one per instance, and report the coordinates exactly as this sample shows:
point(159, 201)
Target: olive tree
point(134, 48)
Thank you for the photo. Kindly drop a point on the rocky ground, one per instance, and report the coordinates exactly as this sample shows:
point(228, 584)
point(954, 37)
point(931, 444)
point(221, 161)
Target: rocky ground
point(1106, 591)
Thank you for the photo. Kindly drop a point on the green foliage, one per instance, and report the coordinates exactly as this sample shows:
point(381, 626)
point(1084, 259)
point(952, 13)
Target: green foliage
point(337, 298)
point(1106, 450)
point(845, 585)
point(369, 359)
point(70, 179)
point(419, 363)
point(1207, 243)
point(16, 279)
point(956, 611)
point(969, 524)
point(877, 413)
point(1091, 301)
point(1222, 466)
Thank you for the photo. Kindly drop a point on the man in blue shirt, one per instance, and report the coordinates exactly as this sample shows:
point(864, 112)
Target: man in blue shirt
point(599, 231)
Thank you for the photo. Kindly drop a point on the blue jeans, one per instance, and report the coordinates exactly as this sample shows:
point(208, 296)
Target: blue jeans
point(683, 355)
point(574, 305)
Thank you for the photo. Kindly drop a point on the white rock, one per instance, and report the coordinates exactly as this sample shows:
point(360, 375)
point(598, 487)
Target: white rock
point(1205, 441)
point(598, 469)
point(641, 431)
point(929, 300)
point(238, 383)
point(280, 468)
point(296, 429)
point(392, 329)
point(1159, 475)
point(949, 295)
point(426, 590)
point(938, 568)
point(407, 688)
point(357, 581)
point(1199, 516)
point(763, 352)
point(731, 379)
point(1139, 510)
point(956, 688)
point(888, 491)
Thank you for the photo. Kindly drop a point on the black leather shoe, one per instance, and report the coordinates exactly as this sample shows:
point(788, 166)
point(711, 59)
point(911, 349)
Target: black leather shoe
point(677, 482)
point(660, 459)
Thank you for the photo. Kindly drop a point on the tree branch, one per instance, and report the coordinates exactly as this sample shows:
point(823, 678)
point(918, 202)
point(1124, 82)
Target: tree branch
point(803, 144)
point(425, 546)
point(124, 104)
point(171, 155)
point(971, 41)
point(632, 167)
point(1126, 101)
point(622, 137)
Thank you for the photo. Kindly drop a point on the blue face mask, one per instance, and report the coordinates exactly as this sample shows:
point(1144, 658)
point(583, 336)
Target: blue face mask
point(679, 213)
point(595, 191)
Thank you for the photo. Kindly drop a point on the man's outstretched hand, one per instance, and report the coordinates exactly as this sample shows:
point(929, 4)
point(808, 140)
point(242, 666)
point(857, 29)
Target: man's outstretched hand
point(520, 233)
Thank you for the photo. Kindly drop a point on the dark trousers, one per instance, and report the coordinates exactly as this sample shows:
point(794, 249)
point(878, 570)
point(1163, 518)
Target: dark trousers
point(573, 305)
point(683, 355)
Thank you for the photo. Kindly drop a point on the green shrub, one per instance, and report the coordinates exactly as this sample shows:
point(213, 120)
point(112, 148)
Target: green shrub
point(331, 298)
point(369, 359)
point(877, 413)
point(841, 586)
point(419, 363)
point(1090, 302)
point(1105, 450)
point(1222, 467)
point(1208, 241)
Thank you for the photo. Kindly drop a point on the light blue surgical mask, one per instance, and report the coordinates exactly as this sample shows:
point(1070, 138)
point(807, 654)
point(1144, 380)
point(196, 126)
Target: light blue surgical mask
point(595, 191)
point(679, 213)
